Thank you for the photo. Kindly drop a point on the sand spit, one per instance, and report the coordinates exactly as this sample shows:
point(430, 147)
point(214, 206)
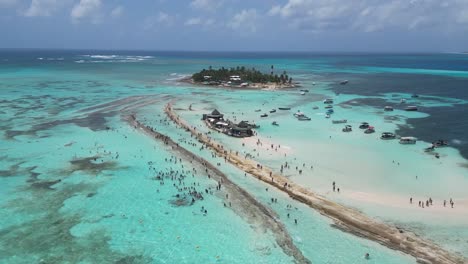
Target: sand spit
point(254, 211)
point(346, 219)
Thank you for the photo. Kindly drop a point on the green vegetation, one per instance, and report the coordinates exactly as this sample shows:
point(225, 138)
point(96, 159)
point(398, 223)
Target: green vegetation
point(216, 76)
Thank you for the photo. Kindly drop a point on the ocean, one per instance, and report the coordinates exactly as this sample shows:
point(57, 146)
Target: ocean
point(81, 185)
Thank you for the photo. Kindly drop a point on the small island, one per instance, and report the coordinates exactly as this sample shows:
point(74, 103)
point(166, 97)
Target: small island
point(242, 77)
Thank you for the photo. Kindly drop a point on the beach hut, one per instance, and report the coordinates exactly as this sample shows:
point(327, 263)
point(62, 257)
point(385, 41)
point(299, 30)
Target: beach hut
point(243, 129)
point(216, 115)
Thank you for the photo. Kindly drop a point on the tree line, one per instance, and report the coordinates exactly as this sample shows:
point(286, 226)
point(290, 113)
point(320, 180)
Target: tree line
point(247, 75)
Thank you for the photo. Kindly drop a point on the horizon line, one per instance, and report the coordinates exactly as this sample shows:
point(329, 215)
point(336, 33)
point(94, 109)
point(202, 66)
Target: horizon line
point(240, 51)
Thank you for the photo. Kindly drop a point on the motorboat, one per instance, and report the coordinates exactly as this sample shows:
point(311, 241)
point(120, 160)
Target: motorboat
point(342, 121)
point(411, 108)
point(414, 96)
point(347, 128)
point(303, 118)
point(344, 82)
point(364, 125)
point(313, 83)
point(328, 101)
point(315, 107)
point(284, 108)
point(264, 115)
point(304, 90)
point(440, 143)
point(298, 114)
point(302, 93)
point(330, 111)
point(328, 106)
point(275, 123)
point(408, 140)
point(402, 101)
point(258, 110)
point(369, 130)
point(273, 111)
point(388, 108)
point(387, 135)
point(327, 116)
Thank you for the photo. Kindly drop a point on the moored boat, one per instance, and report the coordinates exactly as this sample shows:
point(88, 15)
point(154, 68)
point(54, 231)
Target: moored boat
point(347, 128)
point(284, 108)
point(387, 135)
point(328, 106)
point(408, 140)
point(273, 111)
point(264, 115)
point(258, 110)
point(275, 123)
point(344, 82)
point(440, 143)
point(315, 107)
point(303, 118)
point(411, 108)
point(328, 101)
point(388, 108)
point(364, 125)
point(369, 130)
point(341, 121)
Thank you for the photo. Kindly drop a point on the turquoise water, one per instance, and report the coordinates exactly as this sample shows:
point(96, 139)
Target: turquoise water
point(78, 183)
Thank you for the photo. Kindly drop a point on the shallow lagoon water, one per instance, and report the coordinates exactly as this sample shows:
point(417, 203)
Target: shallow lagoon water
point(110, 210)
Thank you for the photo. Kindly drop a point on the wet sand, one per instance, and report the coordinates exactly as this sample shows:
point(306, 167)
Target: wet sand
point(346, 219)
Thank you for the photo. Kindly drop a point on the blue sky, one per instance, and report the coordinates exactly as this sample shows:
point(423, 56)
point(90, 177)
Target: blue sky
point(240, 25)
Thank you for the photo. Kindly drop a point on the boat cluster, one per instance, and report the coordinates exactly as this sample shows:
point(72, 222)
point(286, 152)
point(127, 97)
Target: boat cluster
point(403, 101)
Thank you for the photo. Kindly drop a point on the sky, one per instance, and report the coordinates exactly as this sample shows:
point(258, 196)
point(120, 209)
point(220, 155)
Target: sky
point(237, 25)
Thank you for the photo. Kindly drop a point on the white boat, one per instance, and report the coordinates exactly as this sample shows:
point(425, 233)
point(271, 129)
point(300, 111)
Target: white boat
point(347, 128)
point(402, 101)
point(313, 83)
point(387, 135)
point(328, 101)
point(408, 140)
point(298, 114)
point(327, 116)
point(411, 108)
point(302, 93)
point(388, 108)
point(303, 118)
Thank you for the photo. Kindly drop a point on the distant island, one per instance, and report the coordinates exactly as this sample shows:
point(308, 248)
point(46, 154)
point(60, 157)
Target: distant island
point(241, 76)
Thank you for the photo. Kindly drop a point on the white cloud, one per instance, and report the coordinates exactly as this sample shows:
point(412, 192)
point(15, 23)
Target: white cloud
point(198, 21)
point(41, 8)
point(244, 21)
point(206, 5)
point(117, 11)
point(371, 15)
point(85, 8)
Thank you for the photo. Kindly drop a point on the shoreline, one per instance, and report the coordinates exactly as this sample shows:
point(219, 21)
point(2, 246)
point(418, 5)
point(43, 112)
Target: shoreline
point(259, 86)
point(346, 219)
